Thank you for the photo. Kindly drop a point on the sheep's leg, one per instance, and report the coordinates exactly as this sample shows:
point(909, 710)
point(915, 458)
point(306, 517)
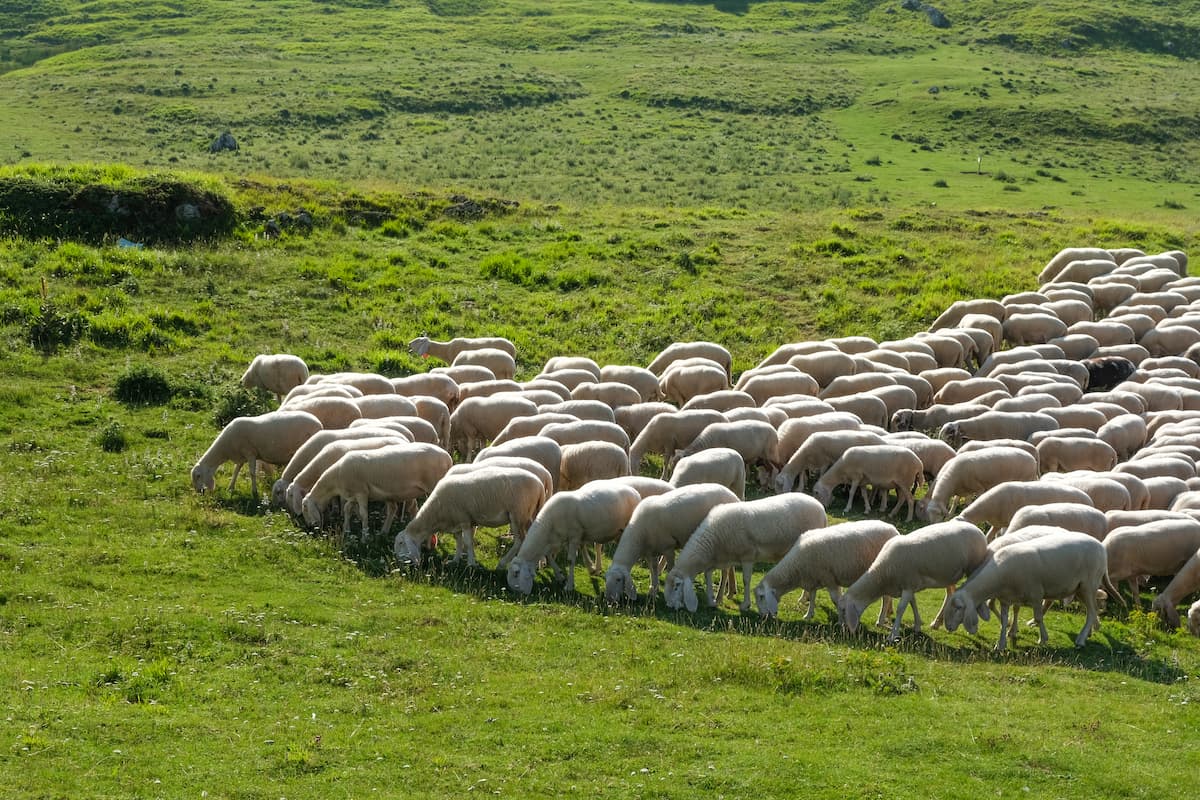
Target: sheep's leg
point(252, 466)
point(885, 609)
point(916, 612)
point(747, 574)
point(598, 564)
point(391, 509)
point(1002, 643)
point(850, 497)
point(708, 588)
point(572, 555)
point(835, 594)
point(347, 511)
point(1016, 614)
point(937, 621)
point(1135, 588)
point(1039, 615)
point(1093, 618)
point(232, 481)
point(812, 603)
point(906, 597)
point(653, 564)
point(468, 538)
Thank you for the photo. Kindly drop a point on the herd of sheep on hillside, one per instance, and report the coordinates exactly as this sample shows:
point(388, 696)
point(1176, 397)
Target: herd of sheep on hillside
point(1066, 421)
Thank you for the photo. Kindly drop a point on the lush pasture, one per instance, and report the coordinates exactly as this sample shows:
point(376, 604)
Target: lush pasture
point(751, 173)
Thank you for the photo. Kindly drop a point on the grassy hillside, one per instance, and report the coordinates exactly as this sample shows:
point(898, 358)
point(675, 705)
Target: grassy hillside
point(582, 178)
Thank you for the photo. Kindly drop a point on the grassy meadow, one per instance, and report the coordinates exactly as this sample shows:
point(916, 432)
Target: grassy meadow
point(580, 177)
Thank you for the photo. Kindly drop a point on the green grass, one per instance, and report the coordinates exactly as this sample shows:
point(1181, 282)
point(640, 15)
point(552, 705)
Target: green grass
point(582, 178)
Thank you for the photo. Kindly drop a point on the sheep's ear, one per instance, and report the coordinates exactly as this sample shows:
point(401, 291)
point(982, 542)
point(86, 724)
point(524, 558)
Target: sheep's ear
point(690, 601)
point(630, 589)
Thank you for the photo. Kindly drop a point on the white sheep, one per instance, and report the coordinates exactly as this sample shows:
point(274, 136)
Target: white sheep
point(934, 453)
point(465, 373)
point(586, 430)
point(1068, 453)
point(333, 412)
point(722, 400)
point(580, 409)
point(546, 452)
point(395, 474)
point(929, 557)
point(365, 382)
point(784, 352)
point(1158, 547)
point(969, 474)
point(560, 363)
point(954, 315)
point(826, 558)
point(640, 378)
point(612, 393)
point(311, 447)
point(740, 533)
point(478, 420)
point(271, 438)
point(818, 453)
point(1193, 618)
point(795, 431)
point(935, 416)
point(570, 378)
point(459, 503)
point(849, 385)
point(1103, 490)
point(958, 392)
point(278, 373)
point(634, 419)
point(500, 362)
point(997, 506)
point(879, 466)
point(1059, 563)
point(591, 461)
point(302, 482)
point(997, 425)
point(823, 366)
point(679, 384)
point(764, 387)
point(658, 528)
point(757, 442)
point(428, 384)
point(719, 465)
point(870, 409)
point(467, 389)
point(424, 347)
point(1185, 582)
point(666, 433)
point(1079, 517)
point(681, 350)
point(593, 514)
point(521, 427)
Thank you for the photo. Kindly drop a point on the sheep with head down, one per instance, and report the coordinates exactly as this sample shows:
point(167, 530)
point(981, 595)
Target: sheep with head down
point(277, 373)
point(270, 438)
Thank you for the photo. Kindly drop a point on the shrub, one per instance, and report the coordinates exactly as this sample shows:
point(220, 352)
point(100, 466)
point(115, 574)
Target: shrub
point(237, 401)
point(51, 328)
point(143, 385)
point(112, 437)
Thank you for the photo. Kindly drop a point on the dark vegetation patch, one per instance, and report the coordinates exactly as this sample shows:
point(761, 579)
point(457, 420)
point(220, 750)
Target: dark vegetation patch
point(451, 94)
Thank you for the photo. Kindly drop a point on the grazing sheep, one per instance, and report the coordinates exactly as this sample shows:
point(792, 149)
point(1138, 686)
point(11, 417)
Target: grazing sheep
point(1081, 517)
point(934, 417)
point(634, 419)
point(1159, 466)
point(960, 392)
point(429, 384)
point(365, 382)
point(719, 465)
point(333, 412)
point(546, 452)
point(740, 533)
point(573, 378)
point(500, 362)
point(612, 393)
point(591, 461)
point(1053, 271)
point(757, 442)
point(785, 352)
point(849, 385)
point(302, 482)
point(996, 425)
point(395, 474)
point(1056, 563)
point(644, 485)
point(972, 473)
point(764, 387)
point(681, 383)
point(1164, 490)
point(953, 316)
point(489, 388)
point(459, 503)
point(464, 374)
point(375, 406)
point(586, 430)
point(593, 514)
point(666, 433)
point(659, 527)
point(997, 506)
point(424, 347)
point(818, 453)
point(640, 378)
point(826, 558)
point(1160, 546)
point(870, 409)
point(879, 466)
point(823, 366)
point(311, 447)
point(1185, 582)
point(307, 390)
point(929, 557)
point(558, 364)
point(1105, 492)
point(478, 420)
point(681, 350)
point(271, 438)
point(934, 453)
point(581, 409)
point(1076, 346)
point(520, 427)
point(722, 400)
point(1065, 454)
point(795, 431)
point(278, 373)
point(1076, 416)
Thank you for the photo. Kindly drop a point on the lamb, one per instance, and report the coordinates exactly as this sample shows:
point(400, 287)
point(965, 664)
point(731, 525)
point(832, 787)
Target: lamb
point(1158, 547)
point(681, 350)
point(479, 419)
point(666, 433)
point(424, 347)
point(272, 438)
point(640, 378)
point(818, 453)
point(969, 474)
point(278, 373)
point(880, 466)
point(428, 384)
point(719, 465)
point(936, 555)
point(997, 425)
point(1185, 582)
point(827, 558)
point(1081, 517)
point(659, 527)
point(302, 482)
point(1059, 563)
point(490, 497)
point(394, 474)
point(591, 461)
point(740, 533)
point(594, 514)
point(997, 506)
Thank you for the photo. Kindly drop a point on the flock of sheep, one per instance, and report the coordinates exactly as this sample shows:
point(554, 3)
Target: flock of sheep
point(1067, 420)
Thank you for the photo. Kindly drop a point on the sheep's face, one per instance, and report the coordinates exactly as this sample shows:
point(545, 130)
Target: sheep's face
point(406, 550)
point(279, 493)
point(293, 498)
point(849, 613)
point(955, 613)
point(419, 346)
point(203, 480)
point(823, 493)
point(673, 592)
point(618, 584)
point(902, 420)
point(520, 576)
point(311, 513)
point(766, 600)
point(783, 483)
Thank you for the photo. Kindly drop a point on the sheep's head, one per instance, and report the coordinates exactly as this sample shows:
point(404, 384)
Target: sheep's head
point(406, 549)
point(419, 346)
point(1167, 613)
point(902, 420)
point(680, 592)
point(618, 584)
point(311, 512)
point(766, 599)
point(959, 611)
point(279, 493)
point(783, 482)
point(203, 479)
point(823, 493)
point(850, 612)
point(520, 576)
point(293, 499)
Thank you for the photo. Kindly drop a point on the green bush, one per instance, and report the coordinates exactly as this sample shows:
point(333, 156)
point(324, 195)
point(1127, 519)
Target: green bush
point(112, 437)
point(51, 328)
point(143, 385)
point(237, 401)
